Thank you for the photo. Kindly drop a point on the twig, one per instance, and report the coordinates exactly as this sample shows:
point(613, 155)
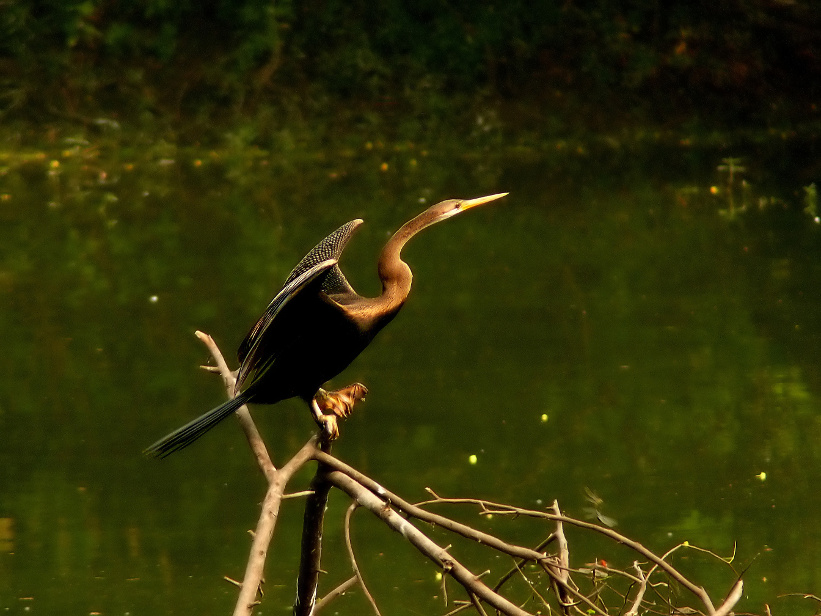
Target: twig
point(336, 592)
point(420, 541)
point(803, 595)
point(477, 604)
point(563, 568)
point(501, 509)
point(352, 556)
point(417, 512)
point(243, 414)
point(297, 494)
point(634, 609)
point(732, 598)
point(570, 590)
point(462, 606)
point(516, 566)
point(532, 587)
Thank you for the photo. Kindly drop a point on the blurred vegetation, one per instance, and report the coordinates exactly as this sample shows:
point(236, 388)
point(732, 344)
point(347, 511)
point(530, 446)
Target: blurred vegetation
point(154, 157)
point(739, 63)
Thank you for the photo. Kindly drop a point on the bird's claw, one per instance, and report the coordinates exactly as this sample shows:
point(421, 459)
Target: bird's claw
point(330, 406)
point(329, 426)
point(340, 402)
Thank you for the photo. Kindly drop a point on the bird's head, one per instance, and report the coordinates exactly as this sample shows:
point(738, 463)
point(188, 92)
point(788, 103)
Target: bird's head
point(451, 207)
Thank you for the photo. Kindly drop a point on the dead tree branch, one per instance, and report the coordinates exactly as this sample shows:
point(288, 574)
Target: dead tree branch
point(399, 514)
point(349, 545)
point(450, 566)
point(311, 553)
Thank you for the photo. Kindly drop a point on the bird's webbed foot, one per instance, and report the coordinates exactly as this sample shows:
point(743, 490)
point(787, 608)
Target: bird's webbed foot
point(328, 406)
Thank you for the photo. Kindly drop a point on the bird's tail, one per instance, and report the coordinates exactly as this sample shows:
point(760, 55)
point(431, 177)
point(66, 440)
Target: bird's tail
point(190, 432)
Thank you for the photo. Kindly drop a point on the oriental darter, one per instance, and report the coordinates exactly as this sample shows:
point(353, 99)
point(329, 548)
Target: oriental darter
point(315, 327)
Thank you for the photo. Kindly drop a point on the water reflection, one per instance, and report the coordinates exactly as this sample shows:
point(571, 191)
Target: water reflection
point(606, 329)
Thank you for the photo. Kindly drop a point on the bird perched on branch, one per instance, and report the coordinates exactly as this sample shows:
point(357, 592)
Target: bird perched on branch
point(315, 327)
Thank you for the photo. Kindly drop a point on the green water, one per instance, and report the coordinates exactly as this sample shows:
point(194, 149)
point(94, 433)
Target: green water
point(673, 349)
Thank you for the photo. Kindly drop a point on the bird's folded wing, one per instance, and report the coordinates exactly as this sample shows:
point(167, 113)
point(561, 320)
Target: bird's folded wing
point(287, 294)
point(319, 265)
point(311, 265)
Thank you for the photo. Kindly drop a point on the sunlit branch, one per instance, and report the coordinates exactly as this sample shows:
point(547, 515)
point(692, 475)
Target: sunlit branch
point(634, 609)
point(420, 541)
point(243, 414)
point(489, 507)
point(277, 481)
point(349, 545)
point(397, 514)
point(417, 512)
point(336, 593)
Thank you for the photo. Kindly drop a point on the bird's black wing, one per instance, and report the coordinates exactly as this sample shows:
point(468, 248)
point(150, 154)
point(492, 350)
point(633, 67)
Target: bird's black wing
point(321, 261)
point(329, 248)
point(248, 356)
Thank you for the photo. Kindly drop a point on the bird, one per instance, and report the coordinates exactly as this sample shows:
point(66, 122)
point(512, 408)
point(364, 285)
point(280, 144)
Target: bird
point(315, 327)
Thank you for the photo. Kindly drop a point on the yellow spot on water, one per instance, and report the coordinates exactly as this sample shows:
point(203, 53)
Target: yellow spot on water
point(544, 417)
point(713, 190)
point(54, 164)
point(762, 476)
point(438, 576)
point(473, 459)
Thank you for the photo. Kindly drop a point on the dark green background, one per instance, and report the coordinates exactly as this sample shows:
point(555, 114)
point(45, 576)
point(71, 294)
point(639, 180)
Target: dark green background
point(164, 165)
point(673, 350)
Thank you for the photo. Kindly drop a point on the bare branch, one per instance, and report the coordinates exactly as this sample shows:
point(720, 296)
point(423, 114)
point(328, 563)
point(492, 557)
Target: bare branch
point(277, 481)
point(564, 551)
point(477, 604)
point(450, 565)
point(501, 509)
point(516, 566)
point(353, 507)
point(392, 509)
point(243, 414)
point(426, 516)
point(265, 529)
point(733, 598)
point(311, 551)
point(569, 589)
point(336, 592)
point(634, 610)
point(563, 568)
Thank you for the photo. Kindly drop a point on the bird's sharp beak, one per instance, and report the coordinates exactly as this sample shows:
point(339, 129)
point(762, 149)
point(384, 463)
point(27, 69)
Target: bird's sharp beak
point(469, 203)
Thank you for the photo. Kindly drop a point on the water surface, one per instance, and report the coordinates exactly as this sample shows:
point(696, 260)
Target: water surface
point(610, 326)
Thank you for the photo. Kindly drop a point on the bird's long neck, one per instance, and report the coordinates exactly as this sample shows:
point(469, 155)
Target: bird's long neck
point(395, 274)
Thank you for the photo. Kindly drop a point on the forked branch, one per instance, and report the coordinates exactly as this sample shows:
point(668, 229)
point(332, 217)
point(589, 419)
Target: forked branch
point(572, 589)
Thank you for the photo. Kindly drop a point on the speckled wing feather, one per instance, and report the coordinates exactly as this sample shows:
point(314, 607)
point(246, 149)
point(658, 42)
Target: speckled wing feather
point(320, 261)
point(329, 248)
